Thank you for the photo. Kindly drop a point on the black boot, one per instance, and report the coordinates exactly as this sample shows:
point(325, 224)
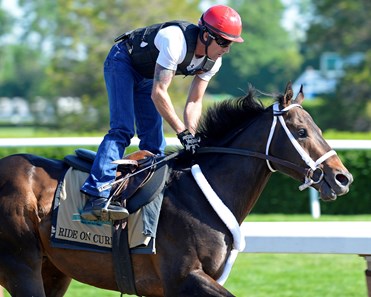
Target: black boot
point(96, 209)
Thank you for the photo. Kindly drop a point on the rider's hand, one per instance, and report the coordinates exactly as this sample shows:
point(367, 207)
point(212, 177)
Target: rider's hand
point(190, 142)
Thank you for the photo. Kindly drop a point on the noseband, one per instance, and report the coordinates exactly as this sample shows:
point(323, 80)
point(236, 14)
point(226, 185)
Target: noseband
point(313, 175)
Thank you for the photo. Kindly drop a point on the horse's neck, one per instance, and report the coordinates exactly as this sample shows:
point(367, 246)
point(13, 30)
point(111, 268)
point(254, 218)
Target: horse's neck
point(239, 180)
point(237, 183)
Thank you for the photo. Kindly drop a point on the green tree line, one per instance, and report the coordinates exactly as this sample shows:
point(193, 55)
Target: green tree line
point(61, 45)
point(344, 27)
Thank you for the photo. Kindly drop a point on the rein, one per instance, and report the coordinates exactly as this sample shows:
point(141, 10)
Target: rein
point(313, 173)
point(242, 152)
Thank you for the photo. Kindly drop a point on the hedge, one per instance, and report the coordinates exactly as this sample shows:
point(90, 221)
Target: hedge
point(281, 194)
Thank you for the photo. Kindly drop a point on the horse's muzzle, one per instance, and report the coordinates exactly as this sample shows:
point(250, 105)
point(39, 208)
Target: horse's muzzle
point(331, 188)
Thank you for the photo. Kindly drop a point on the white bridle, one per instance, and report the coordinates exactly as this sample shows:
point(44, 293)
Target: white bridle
point(314, 165)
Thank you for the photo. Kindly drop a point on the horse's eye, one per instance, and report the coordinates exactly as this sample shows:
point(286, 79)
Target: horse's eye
point(302, 132)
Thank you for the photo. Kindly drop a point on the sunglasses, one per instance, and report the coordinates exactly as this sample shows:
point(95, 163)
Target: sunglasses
point(221, 41)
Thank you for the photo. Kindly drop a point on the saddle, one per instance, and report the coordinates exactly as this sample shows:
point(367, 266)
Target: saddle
point(132, 173)
point(137, 174)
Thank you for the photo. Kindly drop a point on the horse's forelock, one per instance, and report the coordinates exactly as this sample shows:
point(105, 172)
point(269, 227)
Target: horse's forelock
point(225, 116)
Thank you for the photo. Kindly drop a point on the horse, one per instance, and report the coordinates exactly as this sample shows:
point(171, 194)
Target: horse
point(242, 143)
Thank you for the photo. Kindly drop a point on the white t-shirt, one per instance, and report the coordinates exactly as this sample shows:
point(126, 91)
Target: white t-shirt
point(171, 43)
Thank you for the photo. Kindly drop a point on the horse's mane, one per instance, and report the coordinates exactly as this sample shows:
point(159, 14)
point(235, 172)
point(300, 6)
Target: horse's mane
point(226, 116)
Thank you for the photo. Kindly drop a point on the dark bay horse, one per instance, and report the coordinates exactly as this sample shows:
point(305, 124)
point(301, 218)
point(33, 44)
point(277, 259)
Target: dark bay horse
point(243, 142)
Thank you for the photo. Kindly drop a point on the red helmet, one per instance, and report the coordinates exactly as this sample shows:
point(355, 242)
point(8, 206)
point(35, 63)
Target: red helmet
point(223, 21)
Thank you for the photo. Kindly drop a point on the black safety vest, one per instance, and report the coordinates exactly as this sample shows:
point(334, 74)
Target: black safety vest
point(143, 52)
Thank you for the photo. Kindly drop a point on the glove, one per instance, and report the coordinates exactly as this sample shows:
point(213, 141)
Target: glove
point(190, 142)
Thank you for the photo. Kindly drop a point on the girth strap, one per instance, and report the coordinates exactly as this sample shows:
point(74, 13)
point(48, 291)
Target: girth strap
point(124, 273)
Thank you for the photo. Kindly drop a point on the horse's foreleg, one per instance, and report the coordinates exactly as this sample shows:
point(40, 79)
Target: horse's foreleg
point(26, 274)
point(20, 259)
point(22, 279)
point(199, 284)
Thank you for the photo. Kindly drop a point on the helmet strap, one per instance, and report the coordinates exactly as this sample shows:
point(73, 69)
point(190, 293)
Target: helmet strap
point(206, 42)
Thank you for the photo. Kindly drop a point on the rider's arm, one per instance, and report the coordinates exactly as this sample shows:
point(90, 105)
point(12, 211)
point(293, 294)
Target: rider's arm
point(160, 96)
point(193, 108)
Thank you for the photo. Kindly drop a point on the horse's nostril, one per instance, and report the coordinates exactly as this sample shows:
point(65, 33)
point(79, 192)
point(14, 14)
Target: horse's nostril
point(342, 179)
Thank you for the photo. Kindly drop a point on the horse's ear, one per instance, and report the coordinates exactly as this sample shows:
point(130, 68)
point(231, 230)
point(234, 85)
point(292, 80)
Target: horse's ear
point(300, 96)
point(288, 95)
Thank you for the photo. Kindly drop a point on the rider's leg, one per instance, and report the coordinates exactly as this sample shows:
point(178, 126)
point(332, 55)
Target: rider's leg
point(120, 81)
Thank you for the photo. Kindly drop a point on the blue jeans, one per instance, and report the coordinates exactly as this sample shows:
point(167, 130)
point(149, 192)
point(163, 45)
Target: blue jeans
point(131, 110)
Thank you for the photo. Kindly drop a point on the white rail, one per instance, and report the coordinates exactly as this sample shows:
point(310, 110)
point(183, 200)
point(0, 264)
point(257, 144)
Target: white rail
point(311, 238)
point(308, 237)
point(343, 144)
point(66, 141)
